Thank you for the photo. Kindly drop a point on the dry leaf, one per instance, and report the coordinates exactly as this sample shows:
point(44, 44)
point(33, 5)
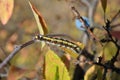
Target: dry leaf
point(39, 19)
point(6, 9)
point(104, 5)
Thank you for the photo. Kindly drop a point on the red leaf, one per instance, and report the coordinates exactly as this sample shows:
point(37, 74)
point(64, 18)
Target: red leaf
point(116, 34)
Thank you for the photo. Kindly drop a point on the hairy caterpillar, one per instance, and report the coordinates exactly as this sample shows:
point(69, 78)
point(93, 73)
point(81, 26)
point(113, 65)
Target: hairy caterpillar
point(59, 42)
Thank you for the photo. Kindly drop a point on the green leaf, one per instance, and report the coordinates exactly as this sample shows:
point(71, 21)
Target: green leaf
point(104, 5)
point(54, 67)
point(109, 50)
point(6, 9)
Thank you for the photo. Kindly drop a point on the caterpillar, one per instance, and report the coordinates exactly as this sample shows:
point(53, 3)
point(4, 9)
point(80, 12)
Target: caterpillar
point(59, 42)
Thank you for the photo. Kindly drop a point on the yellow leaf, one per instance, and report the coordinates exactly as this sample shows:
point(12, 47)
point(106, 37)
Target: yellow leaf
point(54, 67)
point(92, 71)
point(109, 50)
point(6, 8)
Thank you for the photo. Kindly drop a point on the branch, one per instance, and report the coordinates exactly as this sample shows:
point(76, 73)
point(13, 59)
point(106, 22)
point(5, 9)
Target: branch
point(91, 9)
point(77, 14)
point(113, 19)
point(108, 66)
point(16, 49)
point(116, 25)
point(107, 28)
point(86, 2)
point(3, 51)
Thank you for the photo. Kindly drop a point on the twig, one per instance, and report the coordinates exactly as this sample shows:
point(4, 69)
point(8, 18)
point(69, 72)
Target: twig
point(113, 19)
point(110, 63)
point(16, 49)
point(116, 25)
point(111, 39)
point(108, 66)
point(84, 24)
point(3, 51)
point(91, 9)
point(104, 74)
point(86, 2)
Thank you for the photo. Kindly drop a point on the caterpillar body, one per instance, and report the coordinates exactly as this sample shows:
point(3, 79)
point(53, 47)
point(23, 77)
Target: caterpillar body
point(59, 42)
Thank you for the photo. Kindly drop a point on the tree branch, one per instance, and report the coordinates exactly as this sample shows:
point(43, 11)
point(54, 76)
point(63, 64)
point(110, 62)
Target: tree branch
point(91, 9)
point(3, 51)
point(77, 14)
point(108, 66)
point(86, 2)
point(117, 14)
point(16, 49)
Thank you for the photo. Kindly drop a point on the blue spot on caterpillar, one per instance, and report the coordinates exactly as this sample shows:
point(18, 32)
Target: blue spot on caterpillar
point(59, 42)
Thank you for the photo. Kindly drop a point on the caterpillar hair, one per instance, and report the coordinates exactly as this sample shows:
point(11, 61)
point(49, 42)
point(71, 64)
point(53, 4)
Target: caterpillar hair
point(59, 42)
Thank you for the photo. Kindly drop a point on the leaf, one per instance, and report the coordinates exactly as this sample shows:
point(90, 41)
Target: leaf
point(66, 60)
point(6, 9)
point(54, 67)
point(116, 34)
point(93, 71)
point(39, 19)
point(40, 22)
point(109, 50)
point(104, 5)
